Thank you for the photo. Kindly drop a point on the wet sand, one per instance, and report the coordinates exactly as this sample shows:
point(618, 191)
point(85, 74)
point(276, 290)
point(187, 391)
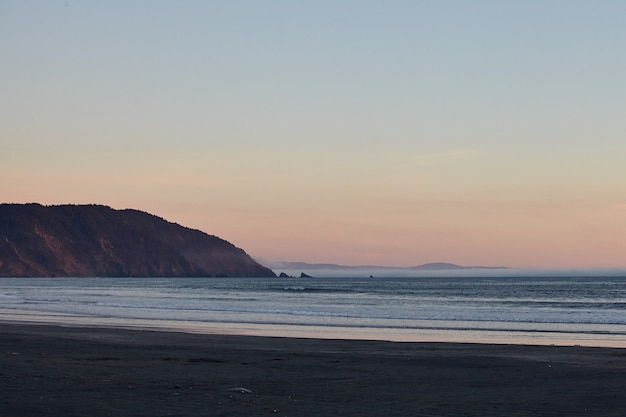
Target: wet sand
point(71, 371)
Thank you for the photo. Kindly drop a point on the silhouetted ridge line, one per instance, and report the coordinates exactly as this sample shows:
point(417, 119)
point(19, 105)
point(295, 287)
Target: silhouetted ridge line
point(95, 240)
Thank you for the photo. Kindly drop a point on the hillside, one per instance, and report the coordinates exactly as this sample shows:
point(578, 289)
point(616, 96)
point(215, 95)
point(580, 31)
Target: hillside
point(94, 240)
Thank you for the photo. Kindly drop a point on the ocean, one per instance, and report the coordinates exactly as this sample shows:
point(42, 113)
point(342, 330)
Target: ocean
point(522, 310)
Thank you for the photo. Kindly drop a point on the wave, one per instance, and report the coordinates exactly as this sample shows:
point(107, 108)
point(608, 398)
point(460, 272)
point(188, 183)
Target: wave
point(295, 288)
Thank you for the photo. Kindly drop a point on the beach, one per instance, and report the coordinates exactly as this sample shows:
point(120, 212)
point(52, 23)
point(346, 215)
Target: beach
point(54, 370)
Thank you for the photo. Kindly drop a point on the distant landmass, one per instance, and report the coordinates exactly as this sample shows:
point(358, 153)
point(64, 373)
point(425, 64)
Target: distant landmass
point(325, 269)
point(98, 241)
point(433, 266)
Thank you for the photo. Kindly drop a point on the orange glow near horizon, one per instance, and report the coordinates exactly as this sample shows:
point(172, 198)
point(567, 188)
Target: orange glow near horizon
point(513, 234)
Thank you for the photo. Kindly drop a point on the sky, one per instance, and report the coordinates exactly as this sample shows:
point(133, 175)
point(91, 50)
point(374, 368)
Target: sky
point(481, 132)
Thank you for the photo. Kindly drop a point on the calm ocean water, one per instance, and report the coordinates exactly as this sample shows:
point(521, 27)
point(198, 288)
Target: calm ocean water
point(565, 310)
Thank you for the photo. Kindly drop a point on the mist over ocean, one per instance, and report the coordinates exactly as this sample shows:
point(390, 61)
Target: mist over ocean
point(506, 309)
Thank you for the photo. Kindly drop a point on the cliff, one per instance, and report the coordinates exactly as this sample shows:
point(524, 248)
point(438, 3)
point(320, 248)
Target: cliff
point(94, 240)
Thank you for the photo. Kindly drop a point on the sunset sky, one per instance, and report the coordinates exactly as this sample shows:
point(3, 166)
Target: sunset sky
point(352, 132)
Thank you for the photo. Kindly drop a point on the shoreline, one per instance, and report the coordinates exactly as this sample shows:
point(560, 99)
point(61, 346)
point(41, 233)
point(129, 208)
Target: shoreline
point(75, 371)
point(544, 338)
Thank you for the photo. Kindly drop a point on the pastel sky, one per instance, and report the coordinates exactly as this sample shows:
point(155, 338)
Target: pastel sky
point(355, 132)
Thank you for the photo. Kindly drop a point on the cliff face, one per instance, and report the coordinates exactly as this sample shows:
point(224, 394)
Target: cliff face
point(93, 240)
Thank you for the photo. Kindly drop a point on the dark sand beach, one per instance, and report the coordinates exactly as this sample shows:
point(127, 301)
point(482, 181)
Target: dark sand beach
point(68, 371)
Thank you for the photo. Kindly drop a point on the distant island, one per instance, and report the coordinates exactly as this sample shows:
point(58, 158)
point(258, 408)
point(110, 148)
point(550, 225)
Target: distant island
point(98, 241)
point(433, 266)
point(329, 269)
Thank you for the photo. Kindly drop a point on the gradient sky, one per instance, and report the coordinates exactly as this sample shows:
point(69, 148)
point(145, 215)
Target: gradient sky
point(354, 132)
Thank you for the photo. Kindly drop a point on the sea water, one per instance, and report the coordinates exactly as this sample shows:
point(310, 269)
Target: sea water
point(535, 310)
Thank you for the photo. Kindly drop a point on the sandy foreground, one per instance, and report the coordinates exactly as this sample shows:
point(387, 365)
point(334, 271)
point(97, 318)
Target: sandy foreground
point(49, 370)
